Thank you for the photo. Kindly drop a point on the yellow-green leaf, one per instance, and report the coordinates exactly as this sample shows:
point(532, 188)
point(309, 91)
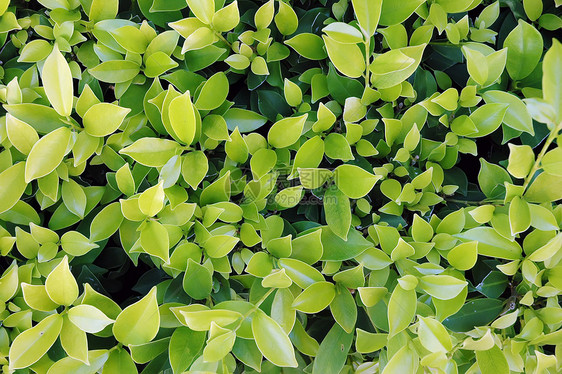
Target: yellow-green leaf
point(29, 346)
point(61, 285)
point(57, 81)
point(12, 186)
point(138, 323)
point(272, 341)
point(104, 119)
point(47, 154)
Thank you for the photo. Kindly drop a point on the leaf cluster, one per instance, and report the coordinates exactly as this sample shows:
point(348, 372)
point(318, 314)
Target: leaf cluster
point(241, 186)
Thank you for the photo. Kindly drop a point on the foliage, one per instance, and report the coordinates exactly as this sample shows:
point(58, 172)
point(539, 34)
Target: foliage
point(364, 186)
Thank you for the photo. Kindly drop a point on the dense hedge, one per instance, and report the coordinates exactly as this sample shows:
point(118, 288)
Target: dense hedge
point(318, 186)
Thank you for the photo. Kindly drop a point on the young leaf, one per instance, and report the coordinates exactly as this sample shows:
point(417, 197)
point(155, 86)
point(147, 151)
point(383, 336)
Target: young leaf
point(61, 285)
point(367, 13)
point(57, 81)
point(338, 212)
point(88, 318)
point(104, 119)
point(272, 341)
point(286, 132)
point(138, 323)
point(47, 154)
point(29, 346)
point(12, 186)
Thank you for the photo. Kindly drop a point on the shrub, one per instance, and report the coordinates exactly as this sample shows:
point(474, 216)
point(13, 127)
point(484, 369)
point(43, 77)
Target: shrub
point(366, 186)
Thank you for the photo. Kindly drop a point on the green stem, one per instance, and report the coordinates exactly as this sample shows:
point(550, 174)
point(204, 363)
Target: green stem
point(367, 62)
point(546, 145)
point(223, 39)
point(254, 308)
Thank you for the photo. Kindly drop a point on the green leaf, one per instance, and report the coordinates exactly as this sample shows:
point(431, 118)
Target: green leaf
point(552, 76)
point(492, 178)
point(433, 336)
point(96, 360)
point(337, 147)
point(343, 33)
point(185, 345)
point(245, 120)
point(315, 297)
point(104, 119)
point(194, 168)
point(151, 201)
point(463, 256)
point(12, 186)
point(548, 250)
point(9, 283)
point(272, 341)
point(443, 287)
point(200, 318)
point(182, 118)
point(119, 360)
point(367, 342)
point(220, 245)
point(544, 189)
point(401, 309)
point(106, 222)
point(262, 162)
point(524, 49)
point(476, 312)
point(367, 13)
point(347, 58)
point(37, 298)
point(403, 361)
point(552, 162)
point(57, 81)
point(47, 154)
point(308, 45)
point(488, 118)
point(492, 361)
point(197, 281)
point(21, 135)
point(227, 18)
point(492, 244)
point(154, 240)
point(289, 197)
point(203, 9)
point(213, 93)
point(456, 6)
point(286, 19)
point(293, 93)
point(138, 323)
point(74, 197)
point(337, 249)
point(333, 351)
point(88, 318)
point(29, 346)
point(103, 9)
point(153, 152)
point(521, 160)
point(338, 212)
point(74, 341)
point(354, 181)
point(519, 215)
point(344, 309)
point(517, 117)
point(393, 12)
point(264, 15)
point(286, 132)
point(115, 71)
point(395, 66)
point(61, 285)
point(131, 38)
